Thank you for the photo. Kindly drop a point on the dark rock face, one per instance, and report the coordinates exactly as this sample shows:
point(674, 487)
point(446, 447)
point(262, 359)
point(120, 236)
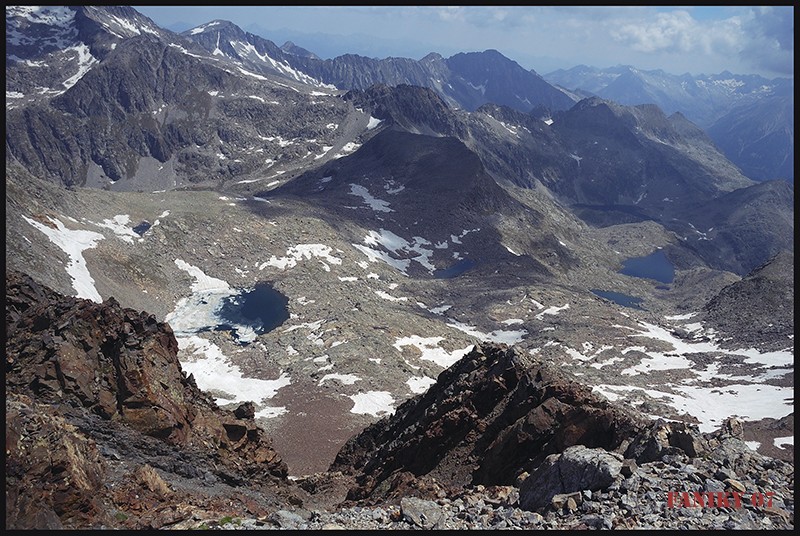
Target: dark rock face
point(759, 309)
point(505, 82)
point(143, 97)
point(490, 417)
point(106, 118)
point(412, 108)
point(637, 156)
point(114, 362)
point(86, 381)
point(750, 118)
point(426, 167)
point(52, 471)
point(743, 229)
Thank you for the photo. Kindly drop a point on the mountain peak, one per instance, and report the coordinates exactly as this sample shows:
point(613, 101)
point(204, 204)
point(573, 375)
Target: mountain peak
point(215, 25)
point(290, 48)
point(432, 57)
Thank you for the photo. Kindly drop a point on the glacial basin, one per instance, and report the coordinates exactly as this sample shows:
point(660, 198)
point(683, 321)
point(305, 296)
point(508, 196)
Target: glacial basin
point(262, 309)
point(246, 313)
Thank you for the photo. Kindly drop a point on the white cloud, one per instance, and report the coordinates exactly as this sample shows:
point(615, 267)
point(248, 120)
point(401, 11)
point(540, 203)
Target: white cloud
point(673, 32)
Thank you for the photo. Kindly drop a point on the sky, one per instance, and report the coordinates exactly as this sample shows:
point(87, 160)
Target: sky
point(689, 39)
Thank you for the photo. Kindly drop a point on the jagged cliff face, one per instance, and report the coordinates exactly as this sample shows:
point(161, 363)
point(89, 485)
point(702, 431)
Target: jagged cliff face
point(152, 116)
point(95, 402)
point(490, 418)
point(464, 80)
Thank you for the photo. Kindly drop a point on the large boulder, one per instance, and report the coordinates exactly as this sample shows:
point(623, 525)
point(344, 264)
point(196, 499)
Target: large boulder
point(578, 468)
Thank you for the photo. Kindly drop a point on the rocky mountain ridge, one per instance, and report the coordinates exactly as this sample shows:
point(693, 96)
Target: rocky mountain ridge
point(241, 130)
point(465, 80)
point(702, 98)
point(82, 377)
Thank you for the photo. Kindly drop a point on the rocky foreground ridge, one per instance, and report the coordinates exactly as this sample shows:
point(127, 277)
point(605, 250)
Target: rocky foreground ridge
point(104, 430)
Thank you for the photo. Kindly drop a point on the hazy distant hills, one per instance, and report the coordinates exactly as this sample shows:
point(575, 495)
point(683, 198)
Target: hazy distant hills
point(702, 99)
point(749, 117)
point(759, 137)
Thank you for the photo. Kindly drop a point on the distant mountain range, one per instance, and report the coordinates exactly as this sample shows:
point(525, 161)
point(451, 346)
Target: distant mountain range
point(465, 80)
point(749, 117)
point(155, 110)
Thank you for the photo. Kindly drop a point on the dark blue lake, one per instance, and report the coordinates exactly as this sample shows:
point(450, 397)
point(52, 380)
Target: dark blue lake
point(142, 228)
point(619, 298)
point(654, 266)
point(455, 270)
point(263, 309)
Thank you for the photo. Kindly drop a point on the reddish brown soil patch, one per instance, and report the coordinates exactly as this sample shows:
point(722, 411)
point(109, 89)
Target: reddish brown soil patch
point(316, 425)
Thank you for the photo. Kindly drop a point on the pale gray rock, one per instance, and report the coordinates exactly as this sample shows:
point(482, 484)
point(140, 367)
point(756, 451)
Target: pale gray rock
point(578, 468)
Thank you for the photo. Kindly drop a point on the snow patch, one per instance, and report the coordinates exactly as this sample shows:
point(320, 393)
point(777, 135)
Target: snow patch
point(431, 351)
point(419, 384)
point(119, 225)
point(375, 403)
point(73, 242)
point(346, 379)
point(213, 372)
point(375, 204)
point(552, 310)
point(498, 336)
point(302, 251)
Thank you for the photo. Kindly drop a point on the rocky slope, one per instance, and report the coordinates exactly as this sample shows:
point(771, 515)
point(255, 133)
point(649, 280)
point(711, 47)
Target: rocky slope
point(611, 165)
point(160, 111)
point(103, 430)
point(492, 416)
point(743, 228)
point(759, 137)
point(98, 411)
point(759, 307)
point(399, 233)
